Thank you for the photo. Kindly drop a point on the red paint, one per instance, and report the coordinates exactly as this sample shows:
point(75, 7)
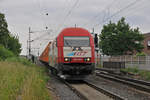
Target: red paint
point(74, 32)
point(60, 44)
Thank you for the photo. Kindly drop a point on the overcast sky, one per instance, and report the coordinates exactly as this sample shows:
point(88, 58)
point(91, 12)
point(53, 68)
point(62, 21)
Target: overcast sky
point(58, 14)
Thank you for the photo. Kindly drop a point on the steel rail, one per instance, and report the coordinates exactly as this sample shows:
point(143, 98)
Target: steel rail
point(75, 90)
point(140, 85)
point(106, 92)
point(99, 89)
point(142, 82)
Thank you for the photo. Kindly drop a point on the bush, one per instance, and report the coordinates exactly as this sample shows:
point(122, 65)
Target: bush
point(99, 66)
point(144, 74)
point(141, 54)
point(21, 60)
point(5, 53)
point(133, 70)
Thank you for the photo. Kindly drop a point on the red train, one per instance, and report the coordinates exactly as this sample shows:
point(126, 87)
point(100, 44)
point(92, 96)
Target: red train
point(71, 55)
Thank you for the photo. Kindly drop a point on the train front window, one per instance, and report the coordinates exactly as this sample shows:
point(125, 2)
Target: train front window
point(72, 41)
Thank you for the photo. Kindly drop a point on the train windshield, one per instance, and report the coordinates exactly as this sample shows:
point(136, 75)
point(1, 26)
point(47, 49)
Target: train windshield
point(71, 41)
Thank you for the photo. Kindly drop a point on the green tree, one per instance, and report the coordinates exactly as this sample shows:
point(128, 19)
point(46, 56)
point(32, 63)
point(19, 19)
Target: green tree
point(6, 39)
point(5, 53)
point(4, 33)
point(119, 39)
point(14, 45)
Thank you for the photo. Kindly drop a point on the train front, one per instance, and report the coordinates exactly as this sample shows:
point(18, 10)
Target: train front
point(78, 58)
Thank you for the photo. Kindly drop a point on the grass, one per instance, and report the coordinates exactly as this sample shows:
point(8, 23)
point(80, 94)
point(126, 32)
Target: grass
point(133, 70)
point(22, 79)
point(99, 66)
point(23, 61)
point(144, 74)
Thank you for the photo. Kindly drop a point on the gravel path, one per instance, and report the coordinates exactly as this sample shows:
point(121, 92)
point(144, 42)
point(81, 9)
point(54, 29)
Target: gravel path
point(59, 89)
point(90, 93)
point(62, 91)
point(120, 89)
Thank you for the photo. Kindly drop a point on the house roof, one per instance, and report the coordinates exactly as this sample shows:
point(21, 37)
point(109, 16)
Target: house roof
point(146, 34)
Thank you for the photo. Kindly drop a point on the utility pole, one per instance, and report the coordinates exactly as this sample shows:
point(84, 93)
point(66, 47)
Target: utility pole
point(27, 48)
point(93, 31)
point(29, 41)
point(75, 25)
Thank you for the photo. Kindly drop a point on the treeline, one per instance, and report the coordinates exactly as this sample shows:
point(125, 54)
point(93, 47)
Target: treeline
point(9, 44)
point(120, 39)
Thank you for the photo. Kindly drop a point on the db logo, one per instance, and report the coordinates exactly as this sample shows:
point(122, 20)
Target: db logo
point(82, 53)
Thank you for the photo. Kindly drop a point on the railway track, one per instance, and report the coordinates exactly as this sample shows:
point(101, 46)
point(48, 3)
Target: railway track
point(94, 89)
point(138, 84)
point(89, 91)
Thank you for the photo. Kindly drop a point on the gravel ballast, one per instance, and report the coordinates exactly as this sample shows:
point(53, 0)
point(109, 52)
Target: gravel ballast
point(121, 89)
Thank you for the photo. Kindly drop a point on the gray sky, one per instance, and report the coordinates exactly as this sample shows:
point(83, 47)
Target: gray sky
point(22, 14)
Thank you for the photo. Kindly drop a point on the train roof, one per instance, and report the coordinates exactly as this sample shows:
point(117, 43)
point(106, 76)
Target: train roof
point(73, 31)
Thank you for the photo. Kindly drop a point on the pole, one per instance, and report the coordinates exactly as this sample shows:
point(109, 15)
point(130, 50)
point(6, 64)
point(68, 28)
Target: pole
point(93, 31)
point(29, 41)
point(27, 48)
point(75, 25)
point(38, 52)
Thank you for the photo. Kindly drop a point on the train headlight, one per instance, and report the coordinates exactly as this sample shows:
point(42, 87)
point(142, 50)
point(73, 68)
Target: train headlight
point(87, 59)
point(66, 59)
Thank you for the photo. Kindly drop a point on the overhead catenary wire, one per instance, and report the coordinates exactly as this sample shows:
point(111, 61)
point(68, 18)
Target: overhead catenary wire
point(97, 15)
point(68, 14)
point(117, 12)
point(65, 9)
point(137, 8)
point(42, 13)
point(70, 11)
point(43, 35)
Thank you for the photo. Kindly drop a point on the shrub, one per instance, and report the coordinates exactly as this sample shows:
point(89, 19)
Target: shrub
point(141, 54)
point(133, 70)
point(144, 74)
point(99, 66)
point(21, 60)
point(5, 53)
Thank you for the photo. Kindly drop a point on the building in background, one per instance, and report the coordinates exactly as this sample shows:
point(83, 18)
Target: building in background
point(146, 44)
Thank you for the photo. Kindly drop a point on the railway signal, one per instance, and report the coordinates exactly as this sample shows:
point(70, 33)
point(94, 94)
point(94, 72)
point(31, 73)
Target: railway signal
point(96, 40)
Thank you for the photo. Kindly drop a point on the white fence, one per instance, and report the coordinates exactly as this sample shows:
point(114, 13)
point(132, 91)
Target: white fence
point(141, 62)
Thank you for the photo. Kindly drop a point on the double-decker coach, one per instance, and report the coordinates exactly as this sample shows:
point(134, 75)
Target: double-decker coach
point(72, 54)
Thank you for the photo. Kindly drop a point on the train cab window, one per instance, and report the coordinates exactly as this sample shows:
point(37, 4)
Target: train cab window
point(80, 41)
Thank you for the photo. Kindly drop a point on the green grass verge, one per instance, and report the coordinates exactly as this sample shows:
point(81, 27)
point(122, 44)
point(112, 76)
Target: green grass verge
point(144, 74)
point(22, 80)
point(99, 66)
point(23, 61)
